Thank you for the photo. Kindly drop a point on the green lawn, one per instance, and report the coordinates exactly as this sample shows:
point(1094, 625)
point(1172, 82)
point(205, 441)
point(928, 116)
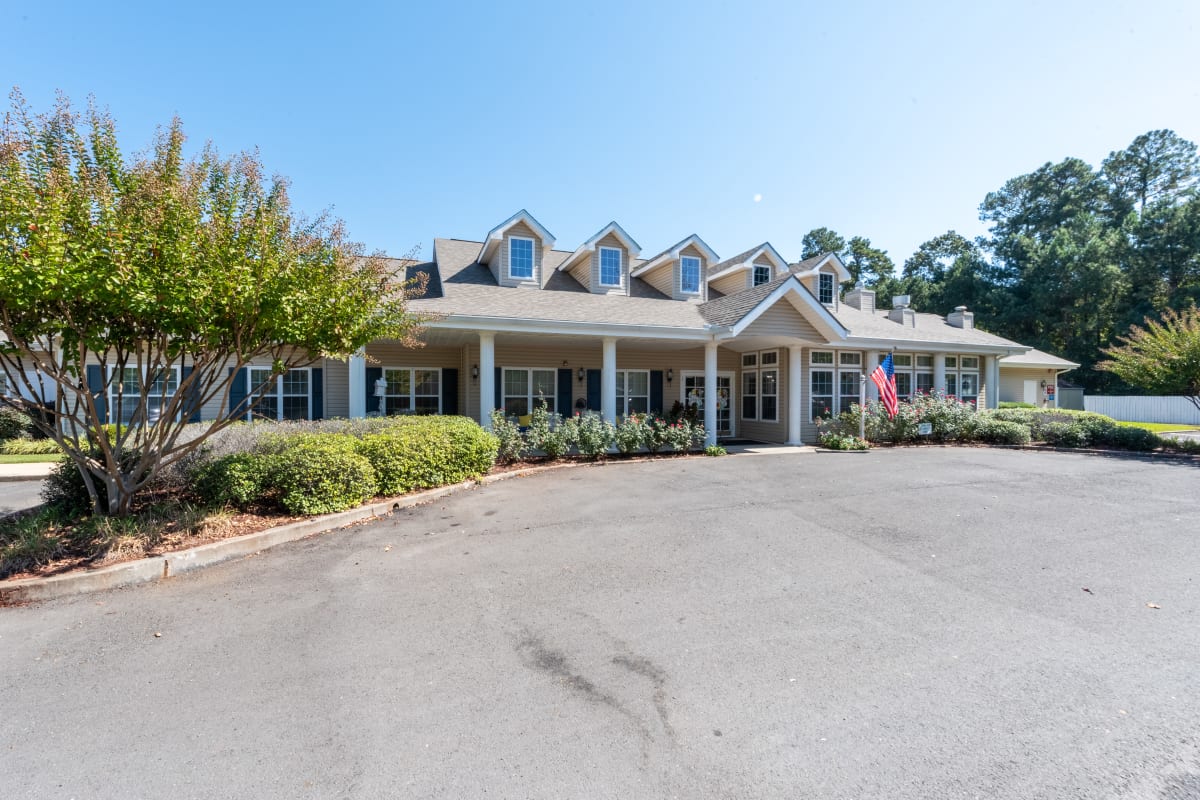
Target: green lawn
point(1159, 427)
point(31, 459)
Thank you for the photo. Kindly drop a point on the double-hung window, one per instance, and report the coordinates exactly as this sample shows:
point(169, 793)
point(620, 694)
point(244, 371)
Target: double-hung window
point(610, 266)
point(762, 274)
point(3, 385)
point(760, 386)
point(633, 391)
point(413, 390)
point(924, 375)
point(968, 379)
point(523, 388)
point(689, 275)
point(848, 379)
point(820, 384)
point(750, 386)
point(825, 288)
point(159, 391)
point(520, 257)
point(286, 396)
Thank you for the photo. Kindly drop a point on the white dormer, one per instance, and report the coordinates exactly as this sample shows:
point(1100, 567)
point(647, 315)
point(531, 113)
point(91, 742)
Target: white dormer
point(514, 250)
point(680, 271)
point(754, 267)
point(822, 275)
point(602, 262)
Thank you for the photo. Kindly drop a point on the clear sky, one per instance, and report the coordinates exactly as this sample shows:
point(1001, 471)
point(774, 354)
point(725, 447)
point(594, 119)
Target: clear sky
point(737, 121)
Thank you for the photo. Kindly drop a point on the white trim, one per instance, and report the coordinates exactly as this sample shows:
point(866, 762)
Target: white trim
point(623, 398)
point(754, 268)
point(529, 397)
point(733, 393)
point(832, 288)
point(839, 267)
point(278, 392)
point(532, 276)
point(631, 246)
point(764, 249)
point(673, 252)
point(833, 328)
point(412, 387)
point(833, 387)
point(623, 331)
point(600, 251)
point(113, 412)
point(496, 234)
point(699, 275)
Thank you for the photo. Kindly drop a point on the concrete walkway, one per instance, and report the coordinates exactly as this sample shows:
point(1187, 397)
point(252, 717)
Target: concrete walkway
point(35, 471)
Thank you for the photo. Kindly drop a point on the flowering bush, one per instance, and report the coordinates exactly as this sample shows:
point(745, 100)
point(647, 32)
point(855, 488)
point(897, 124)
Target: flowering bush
point(512, 443)
point(547, 433)
point(950, 420)
point(630, 434)
point(843, 441)
point(593, 435)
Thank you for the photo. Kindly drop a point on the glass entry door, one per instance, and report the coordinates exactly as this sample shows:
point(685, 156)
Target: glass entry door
point(693, 395)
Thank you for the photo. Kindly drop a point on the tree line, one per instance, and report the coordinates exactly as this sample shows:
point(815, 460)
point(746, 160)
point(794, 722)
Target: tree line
point(1075, 257)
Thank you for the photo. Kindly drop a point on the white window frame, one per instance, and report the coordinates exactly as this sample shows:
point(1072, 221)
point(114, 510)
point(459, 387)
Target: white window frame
point(412, 388)
point(831, 363)
point(699, 274)
point(857, 373)
point(277, 393)
point(532, 258)
point(821, 280)
point(114, 413)
point(600, 268)
point(763, 394)
point(849, 358)
point(754, 268)
point(3, 385)
point(623, 394)
point(756, 364)
point(530, 397)
point(732, 399)
point(749, 413)
point(833, 388)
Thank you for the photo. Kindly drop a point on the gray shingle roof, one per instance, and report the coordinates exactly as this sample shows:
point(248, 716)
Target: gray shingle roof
point(739, 258)
point(729, 309)
point(1037, 358)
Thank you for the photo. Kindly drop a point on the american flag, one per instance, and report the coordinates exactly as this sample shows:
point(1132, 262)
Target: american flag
point(885, 378)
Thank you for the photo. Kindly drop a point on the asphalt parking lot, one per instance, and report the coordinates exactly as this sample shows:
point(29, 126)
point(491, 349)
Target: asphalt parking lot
point(926, 623)
point(19, 495)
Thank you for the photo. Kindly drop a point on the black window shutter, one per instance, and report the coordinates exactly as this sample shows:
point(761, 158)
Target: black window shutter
point(317, 388)
point(191, 405)
point(373, 374)
point(656, 392)
point(449, 391)
point(499, 398)
point(237, 393)
point(593, 390)
point(95, 379)
point(564, 392)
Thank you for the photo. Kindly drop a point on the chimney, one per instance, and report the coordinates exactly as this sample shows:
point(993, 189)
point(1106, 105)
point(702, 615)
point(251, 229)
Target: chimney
point(961, 318)
point(901, 312)
point(861, 298)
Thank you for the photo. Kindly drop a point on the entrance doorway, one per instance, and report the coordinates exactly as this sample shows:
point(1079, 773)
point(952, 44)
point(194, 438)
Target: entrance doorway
point(692, 387)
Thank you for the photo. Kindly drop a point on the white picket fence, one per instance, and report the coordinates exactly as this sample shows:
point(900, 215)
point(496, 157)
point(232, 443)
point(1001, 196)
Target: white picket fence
point(1144, 409)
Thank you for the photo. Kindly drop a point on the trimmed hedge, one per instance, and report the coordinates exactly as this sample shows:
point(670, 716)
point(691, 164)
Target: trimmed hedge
point(13, 424)
point(432, 451)
point(322, 475)
point(998, 431)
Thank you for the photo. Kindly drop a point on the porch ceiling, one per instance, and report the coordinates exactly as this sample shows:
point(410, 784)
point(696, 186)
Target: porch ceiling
point(449, 337)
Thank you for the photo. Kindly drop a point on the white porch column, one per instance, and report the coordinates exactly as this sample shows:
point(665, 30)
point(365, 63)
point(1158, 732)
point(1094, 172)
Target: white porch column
point(358, 384)
point(795, 395)
point(872, 363)
point(990, 390)
point(994, 382)
point(710, 393)
point(608, 381)
point(487, 378)
point(939, 372)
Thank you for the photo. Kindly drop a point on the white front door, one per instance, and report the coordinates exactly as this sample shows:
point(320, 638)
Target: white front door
point(1031, 392)
point(692, 389)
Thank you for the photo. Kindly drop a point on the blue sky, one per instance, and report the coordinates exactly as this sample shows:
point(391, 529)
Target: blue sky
point(737, 121)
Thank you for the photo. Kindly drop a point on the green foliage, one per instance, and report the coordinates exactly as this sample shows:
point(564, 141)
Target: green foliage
point(593, 435)
point(548, 433)
point(1064, 434)
point(1138, 439)
point(1014, 404)
point(715, 450)
point(950, 419)
point(1190, 446)
point(30, 447)
point(321, 475)
point(843, 441)
point(512, 445)
point(30, 541)
point(428, 452)
point(1163, 357)
point(160, 261)
point(65, 488)
point(239, 480)
point(631, 433)
point(14, 424)
point(998, 431)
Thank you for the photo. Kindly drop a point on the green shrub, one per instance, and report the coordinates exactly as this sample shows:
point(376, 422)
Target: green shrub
point(512, 445)
point(950, 420)
point(593, 435)
point(715, 450)
point(66, 491)
point(237, 480)
point(1062, 434)
point(999, 431)
point(843, 441)
point(656, 434)
point(547, 433)
point(1128, 438)
point(432, 451)
point(1180, 445)
point(30, 447)
point(1012, 404)
point(13, 424)
point(323, 474)
point(631, 433)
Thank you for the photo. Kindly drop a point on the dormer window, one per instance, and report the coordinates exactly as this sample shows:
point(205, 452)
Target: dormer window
point(689, 275)
point(610, 266)
point(520, 258)
point(825, 288)
point(762, 274)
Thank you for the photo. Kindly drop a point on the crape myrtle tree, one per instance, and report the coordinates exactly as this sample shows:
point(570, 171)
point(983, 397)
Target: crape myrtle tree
point(1163, 357)
point(133, 289)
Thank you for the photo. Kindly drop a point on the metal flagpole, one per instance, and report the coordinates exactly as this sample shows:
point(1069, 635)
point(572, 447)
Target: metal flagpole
point(862, 405)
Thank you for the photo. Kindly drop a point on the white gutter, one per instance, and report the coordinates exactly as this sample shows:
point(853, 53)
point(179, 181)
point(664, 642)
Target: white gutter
point(568, 328)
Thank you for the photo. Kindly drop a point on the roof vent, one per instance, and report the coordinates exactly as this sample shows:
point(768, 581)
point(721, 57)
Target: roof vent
point(961, 318)
point(901, 301)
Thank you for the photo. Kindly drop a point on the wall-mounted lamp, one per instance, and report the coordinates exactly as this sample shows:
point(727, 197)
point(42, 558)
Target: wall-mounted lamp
point(474, 372)
point(1043, 384)
point(579, 373)
point(670, 374)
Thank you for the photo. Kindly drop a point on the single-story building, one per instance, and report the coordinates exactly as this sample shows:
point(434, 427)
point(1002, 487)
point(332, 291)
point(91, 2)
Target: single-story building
point(1032, 377)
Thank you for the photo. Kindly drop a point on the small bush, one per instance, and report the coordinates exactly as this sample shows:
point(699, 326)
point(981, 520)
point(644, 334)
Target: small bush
point(66, 491)
point(715, 450)
point(323, 474)
point(631, 433)
point(13, 424)
point(1063, 434)
point(30, 541)
point(1128, 438)
point(30, 447)
point(512, 445)
point(998, 431)
point(843, 441)
point(432, 451)
point(1012, 404)
point(238, 480)
point(1180, 445)
point(547, 433)
point(593, 435)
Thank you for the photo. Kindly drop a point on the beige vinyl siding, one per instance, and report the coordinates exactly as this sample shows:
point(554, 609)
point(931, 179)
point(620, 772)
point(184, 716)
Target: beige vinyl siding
point(774, 432)
point(664, 277)
point(581, 271)
point(729, 284)
point(337, 388)
point(596, 287)
point(500, 259)
point(1012, 383)
point(591, 357)
point(386, 354)
point(782, 319)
